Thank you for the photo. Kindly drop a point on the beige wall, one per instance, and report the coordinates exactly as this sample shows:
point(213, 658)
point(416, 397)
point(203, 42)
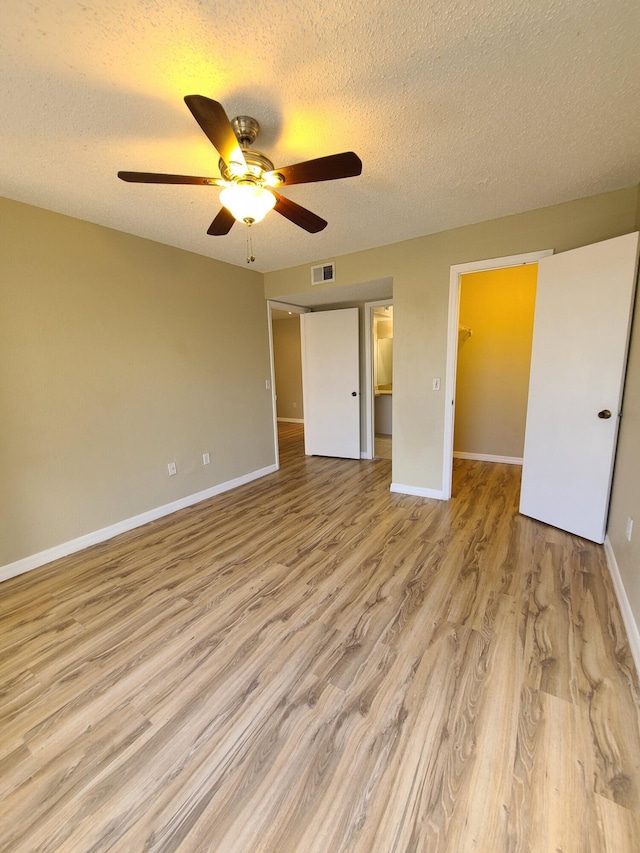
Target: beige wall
point(492, 379)
point(113, 362)
point(288, 367)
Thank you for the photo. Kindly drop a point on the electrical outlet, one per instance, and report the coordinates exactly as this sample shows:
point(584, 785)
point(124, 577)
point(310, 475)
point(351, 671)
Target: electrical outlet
point(171, 468)
point(295, 405)
point(629, 527)
point(206, 459)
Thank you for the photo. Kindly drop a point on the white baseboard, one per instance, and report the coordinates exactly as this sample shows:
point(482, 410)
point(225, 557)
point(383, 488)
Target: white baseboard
point(633, 634)
point(35, 560)
point(291, 420)
point(418, 491)
point(487, 457)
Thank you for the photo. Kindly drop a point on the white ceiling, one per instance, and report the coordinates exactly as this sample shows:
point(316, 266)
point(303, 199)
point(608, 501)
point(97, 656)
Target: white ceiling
point(461, 111)
point(362, 291)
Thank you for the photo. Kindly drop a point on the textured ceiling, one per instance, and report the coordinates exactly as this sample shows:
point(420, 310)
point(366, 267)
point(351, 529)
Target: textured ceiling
point(460, 111)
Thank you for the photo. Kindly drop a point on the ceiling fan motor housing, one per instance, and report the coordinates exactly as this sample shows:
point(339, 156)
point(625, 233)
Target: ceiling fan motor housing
point(257, 163)
point(246, 129)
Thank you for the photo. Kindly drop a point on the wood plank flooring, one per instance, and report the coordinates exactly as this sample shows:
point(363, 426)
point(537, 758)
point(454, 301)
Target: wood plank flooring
point(311, 664)
point(382, 446)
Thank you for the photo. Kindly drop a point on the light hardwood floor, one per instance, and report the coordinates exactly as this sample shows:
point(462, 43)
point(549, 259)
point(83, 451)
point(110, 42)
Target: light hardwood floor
point(313, 664)
point(382, 446)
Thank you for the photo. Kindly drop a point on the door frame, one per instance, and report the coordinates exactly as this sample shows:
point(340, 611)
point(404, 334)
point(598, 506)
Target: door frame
point(456, 273)
point(293, 309)
point(369, 397)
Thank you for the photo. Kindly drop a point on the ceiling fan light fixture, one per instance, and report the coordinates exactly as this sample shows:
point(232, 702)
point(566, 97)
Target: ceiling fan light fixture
point(273, 179)
point(247, 201)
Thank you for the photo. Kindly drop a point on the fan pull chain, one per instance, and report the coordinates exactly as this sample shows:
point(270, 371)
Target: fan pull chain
point(250, 256)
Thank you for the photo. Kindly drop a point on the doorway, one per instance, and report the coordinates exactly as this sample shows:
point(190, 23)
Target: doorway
point(359, 295)
point(378, 379)
point(286, 367)
point(457, 338)
point(495, 336)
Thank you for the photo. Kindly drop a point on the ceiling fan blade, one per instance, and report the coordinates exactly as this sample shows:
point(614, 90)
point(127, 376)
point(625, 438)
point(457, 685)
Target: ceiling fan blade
point(345, 165)
point(298, 215)
point(213, 120)
point(159, 178)
point(222, 223)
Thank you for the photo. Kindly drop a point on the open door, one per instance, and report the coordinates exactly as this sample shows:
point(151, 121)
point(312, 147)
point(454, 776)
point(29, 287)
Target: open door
point(581, 331)
point(331, 383)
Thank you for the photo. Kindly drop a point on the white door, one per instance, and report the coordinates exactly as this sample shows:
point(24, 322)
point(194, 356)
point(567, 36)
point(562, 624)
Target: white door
point(580, 337)
point(331, 383)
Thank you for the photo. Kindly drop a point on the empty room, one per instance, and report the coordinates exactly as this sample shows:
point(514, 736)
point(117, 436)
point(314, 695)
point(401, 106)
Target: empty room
point(229, 623)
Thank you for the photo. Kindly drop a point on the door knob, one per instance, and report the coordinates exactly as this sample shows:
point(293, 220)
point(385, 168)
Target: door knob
point(354, 393)
point(605, 414)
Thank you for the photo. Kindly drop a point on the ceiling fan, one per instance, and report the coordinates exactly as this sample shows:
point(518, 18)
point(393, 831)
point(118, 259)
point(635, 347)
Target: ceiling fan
point(249, 180)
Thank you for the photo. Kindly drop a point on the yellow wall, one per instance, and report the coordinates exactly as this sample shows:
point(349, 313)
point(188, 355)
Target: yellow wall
point(492, 379)
point(113, 362)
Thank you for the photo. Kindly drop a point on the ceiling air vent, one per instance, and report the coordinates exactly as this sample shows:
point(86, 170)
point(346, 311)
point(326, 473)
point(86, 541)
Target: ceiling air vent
point(323, 273)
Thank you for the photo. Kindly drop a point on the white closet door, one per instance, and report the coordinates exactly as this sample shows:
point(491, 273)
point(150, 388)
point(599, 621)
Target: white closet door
point(581, 331)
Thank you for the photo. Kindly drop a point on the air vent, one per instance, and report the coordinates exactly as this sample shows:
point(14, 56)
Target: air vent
point(323, 273)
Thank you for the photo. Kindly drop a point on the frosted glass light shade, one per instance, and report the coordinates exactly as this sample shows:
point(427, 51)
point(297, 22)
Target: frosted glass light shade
point(247, 202)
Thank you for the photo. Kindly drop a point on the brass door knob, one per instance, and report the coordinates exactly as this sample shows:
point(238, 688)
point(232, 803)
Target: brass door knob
point(605, 414)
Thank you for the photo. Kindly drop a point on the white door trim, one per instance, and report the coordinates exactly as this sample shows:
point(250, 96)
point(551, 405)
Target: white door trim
point(458, 270)
point(369, 421)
